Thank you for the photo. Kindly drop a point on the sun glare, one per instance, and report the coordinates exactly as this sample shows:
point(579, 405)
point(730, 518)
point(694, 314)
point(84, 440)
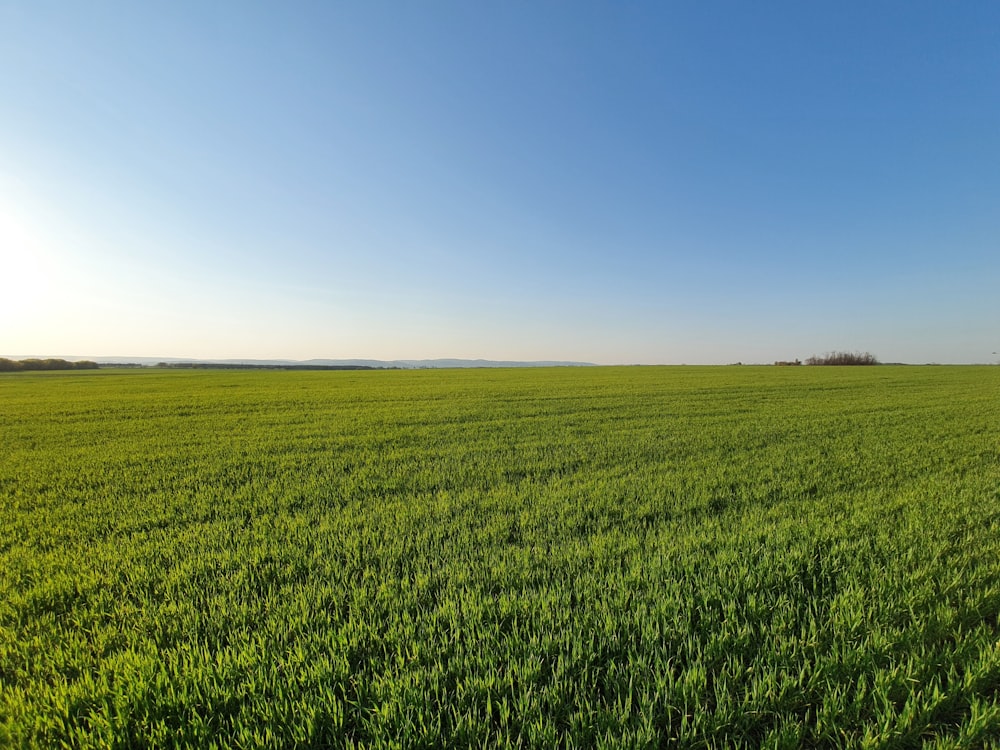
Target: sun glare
point(35, 291)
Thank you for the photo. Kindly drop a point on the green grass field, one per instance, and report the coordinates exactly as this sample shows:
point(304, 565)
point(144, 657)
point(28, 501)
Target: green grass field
point(618, 557)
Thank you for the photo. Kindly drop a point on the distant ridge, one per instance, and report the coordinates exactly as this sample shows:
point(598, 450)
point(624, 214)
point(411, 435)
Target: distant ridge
point(401, 364)
point(444, 363)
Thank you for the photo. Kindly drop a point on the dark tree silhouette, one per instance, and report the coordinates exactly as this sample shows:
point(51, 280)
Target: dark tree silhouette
point(844, 358)
point(14, 365)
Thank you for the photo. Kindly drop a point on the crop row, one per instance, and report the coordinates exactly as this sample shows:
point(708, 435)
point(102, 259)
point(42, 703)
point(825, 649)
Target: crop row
point(693, 557)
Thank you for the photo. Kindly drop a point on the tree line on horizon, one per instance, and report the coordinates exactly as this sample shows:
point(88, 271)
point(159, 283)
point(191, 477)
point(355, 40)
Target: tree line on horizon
point(844, 358)
point(21, 365)
point(834, 358)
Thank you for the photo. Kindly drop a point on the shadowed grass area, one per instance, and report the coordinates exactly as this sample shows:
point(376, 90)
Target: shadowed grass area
point(694, 557)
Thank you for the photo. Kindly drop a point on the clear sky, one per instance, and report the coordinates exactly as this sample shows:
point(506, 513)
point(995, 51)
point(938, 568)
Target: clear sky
point(614, 182)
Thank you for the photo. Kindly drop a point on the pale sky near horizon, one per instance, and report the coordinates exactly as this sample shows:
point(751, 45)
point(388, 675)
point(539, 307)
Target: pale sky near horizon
point(690, 182)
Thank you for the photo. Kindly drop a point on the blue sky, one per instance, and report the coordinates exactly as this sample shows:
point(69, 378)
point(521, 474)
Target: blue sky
point(638, 182)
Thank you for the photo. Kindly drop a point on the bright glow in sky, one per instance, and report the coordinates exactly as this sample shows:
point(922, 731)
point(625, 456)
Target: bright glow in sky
point(615, 183)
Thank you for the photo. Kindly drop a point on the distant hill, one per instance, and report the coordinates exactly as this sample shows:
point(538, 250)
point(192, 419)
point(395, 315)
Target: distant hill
point(403, 364)
point(443, 363)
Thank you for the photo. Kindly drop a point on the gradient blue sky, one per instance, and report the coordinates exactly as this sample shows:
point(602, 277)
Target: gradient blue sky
point(629, 182)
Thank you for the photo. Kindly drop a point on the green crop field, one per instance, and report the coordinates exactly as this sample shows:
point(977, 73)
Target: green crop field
point(619, 557)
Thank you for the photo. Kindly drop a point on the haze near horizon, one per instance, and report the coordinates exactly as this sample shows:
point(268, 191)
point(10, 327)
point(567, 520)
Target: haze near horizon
point(641, 183)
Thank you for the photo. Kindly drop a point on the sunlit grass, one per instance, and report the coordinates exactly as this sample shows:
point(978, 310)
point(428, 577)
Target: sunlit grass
point(692, 557)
